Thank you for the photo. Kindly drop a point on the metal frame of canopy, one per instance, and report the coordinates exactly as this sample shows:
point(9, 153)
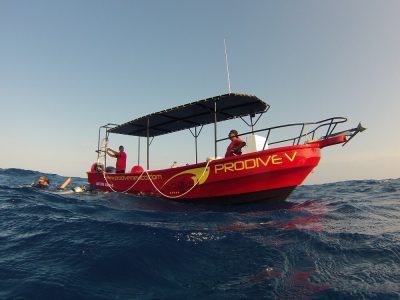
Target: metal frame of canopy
point(188, 116)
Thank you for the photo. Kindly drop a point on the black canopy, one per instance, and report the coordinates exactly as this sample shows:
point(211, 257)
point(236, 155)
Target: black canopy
point(197, 113)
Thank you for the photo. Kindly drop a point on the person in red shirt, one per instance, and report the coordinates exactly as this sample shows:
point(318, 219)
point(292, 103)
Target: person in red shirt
point(120, 165)
point(236, 145)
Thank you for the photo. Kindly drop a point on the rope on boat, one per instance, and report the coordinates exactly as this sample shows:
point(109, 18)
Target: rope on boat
point(110, 186)
point(151, 181)
point(181, 195)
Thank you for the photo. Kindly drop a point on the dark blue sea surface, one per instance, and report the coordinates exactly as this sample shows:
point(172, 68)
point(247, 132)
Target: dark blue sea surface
point(330, 241)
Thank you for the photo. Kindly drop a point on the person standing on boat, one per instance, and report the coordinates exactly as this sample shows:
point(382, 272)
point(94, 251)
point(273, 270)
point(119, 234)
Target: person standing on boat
point(236, 145)
point(120, 165)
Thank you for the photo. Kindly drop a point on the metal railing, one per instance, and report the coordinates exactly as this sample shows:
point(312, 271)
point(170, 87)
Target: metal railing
point(307, 130)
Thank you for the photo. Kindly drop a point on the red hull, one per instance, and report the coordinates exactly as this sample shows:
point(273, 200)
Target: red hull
point(265, 175)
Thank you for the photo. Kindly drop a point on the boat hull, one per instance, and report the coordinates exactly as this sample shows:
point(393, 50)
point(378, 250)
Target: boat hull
point(274, 195)
point(269, 175)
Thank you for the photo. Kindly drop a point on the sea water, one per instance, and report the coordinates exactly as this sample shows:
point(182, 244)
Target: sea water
point(330, 241)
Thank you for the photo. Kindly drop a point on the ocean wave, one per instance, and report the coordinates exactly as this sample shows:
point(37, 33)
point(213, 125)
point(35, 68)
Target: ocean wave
point(337, 240)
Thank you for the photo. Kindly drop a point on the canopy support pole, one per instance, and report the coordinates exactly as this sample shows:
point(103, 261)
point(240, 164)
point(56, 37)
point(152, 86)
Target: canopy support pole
point(138, 152)
point(98, 144)
point(105, 154)
point(195, 141)
point(215, 129)
point(148, 143)
point(196, 135)
point(253, 115)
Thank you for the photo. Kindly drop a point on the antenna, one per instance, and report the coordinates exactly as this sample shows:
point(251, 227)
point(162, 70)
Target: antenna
point(227, 68)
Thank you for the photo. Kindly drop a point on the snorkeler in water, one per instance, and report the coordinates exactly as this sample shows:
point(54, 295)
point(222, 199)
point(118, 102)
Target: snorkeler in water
point(44, 183)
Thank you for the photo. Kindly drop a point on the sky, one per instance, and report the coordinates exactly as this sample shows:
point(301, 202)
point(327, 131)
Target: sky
point(68, 67)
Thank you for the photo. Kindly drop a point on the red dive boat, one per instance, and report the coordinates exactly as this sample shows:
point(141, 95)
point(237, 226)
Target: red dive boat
point(268, 169)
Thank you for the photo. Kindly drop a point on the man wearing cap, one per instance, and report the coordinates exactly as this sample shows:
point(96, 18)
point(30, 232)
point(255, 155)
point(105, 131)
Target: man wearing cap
point(236, 145)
